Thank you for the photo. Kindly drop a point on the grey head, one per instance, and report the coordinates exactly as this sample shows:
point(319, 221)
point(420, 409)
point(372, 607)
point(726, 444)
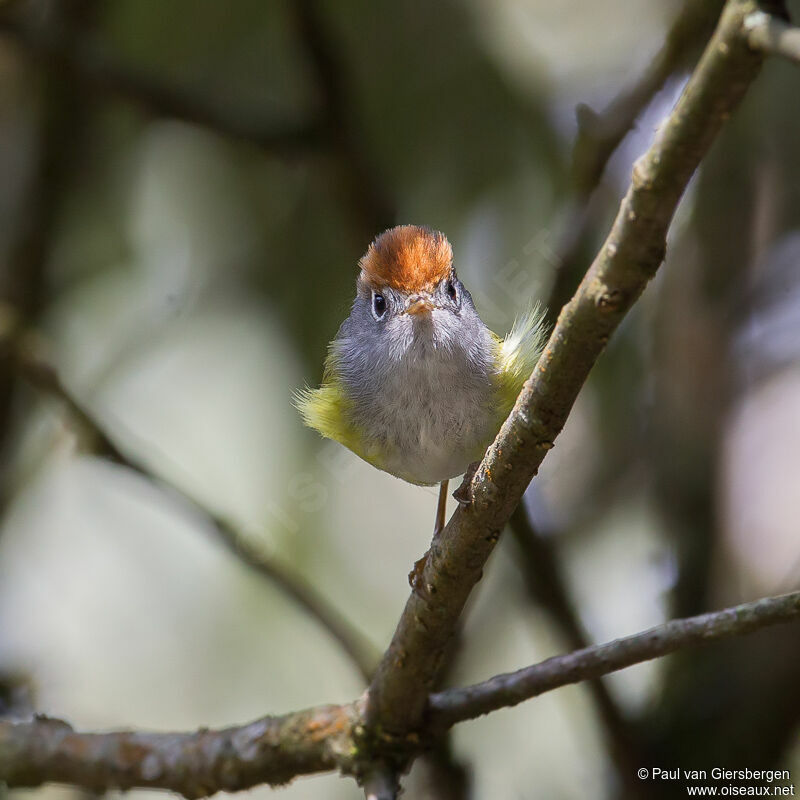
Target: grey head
point(412, 320)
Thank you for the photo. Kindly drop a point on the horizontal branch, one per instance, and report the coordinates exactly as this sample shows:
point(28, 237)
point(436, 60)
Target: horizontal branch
point(629, 258)
point(93, 67)
point(773, 36)
point(457, 705)
point(275, 749)
point(16, 346)
point(271, 750)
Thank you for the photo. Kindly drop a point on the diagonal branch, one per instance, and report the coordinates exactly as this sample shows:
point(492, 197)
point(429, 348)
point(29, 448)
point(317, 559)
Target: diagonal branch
point(275, 749)
point(629, 258)
point(15, 344)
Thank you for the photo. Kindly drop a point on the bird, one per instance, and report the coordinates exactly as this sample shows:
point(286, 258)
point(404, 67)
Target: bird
point(414, 382)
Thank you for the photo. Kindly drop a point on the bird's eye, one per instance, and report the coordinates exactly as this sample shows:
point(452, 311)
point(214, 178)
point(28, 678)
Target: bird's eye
point(378, 305)
point(452, 292)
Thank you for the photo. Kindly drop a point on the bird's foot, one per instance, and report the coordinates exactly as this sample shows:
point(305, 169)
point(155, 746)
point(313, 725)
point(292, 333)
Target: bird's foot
point(463, 495)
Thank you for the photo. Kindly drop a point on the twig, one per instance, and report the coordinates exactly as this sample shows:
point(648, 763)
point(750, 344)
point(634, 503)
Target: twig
point(275, 749)
point(457, 705)
point(629, 258)
point(42, 376)
point(65, 53)
point(773, 36)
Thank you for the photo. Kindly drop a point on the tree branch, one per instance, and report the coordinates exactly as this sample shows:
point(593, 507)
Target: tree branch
point(457, 705)
point(399, 714)
point(271, 750)
point(773, 36)
point(275, 749)
point(19, 346)
point(629, 258)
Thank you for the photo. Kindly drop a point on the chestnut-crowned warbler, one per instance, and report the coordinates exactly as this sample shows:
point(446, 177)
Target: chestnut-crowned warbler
point(414, 382)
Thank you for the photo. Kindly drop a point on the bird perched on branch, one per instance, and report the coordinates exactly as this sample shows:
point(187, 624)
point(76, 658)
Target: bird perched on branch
point(414, 382)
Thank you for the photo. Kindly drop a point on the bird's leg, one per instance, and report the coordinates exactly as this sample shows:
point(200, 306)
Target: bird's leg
point(464, 492)
point(415, 576)
point(441, 508)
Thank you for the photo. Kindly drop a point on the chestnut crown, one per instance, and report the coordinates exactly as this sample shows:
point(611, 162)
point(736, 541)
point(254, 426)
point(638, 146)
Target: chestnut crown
point(408, 258)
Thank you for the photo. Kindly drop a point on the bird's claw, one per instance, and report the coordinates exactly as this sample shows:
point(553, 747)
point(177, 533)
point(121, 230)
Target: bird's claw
point(463, 495)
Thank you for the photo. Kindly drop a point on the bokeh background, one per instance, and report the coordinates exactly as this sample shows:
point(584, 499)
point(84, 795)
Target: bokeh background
point(185, 190)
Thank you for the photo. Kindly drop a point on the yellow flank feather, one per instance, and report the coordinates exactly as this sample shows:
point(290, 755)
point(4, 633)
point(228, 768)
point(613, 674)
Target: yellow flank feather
point(322, 409)
point(518, 354)
point(325, 410)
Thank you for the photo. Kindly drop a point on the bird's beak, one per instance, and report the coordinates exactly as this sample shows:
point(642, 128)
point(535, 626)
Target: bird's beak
point(419, 305)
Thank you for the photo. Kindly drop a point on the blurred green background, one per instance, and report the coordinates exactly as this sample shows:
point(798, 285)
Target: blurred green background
point(185, 190)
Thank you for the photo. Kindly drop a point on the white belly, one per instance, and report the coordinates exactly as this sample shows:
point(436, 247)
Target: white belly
point(431, 418)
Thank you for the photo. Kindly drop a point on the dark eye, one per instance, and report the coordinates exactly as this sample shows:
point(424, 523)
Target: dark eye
point(378, 304)
point(452, 292)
